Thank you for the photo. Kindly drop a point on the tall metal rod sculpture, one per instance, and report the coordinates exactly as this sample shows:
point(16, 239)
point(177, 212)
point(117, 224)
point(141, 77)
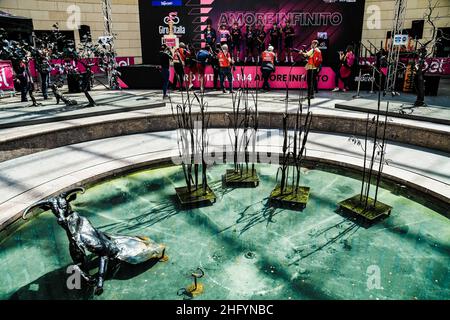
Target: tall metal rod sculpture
point(394, 50)
point(362, 205)
point(192, 144)
point(243, 122)
point(288, 192)
point(109, 57)
point(84, 237)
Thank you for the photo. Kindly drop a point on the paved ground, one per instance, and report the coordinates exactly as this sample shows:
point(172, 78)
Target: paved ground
point(397, 109)
point(129, 103)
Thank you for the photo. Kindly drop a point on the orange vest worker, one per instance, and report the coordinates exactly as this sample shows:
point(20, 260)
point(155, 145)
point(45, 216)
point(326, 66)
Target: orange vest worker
point(224, 59)
point(268, 56)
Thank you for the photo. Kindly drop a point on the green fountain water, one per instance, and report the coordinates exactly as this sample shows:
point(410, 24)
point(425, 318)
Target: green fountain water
point(246, 249)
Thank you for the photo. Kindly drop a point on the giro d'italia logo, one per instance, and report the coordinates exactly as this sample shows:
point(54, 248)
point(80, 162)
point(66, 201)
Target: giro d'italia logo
point(172, 17)
point(177, 28)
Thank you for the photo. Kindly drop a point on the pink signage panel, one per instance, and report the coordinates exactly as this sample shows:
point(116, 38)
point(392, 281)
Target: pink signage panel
point(6, 75)
point(294, 76)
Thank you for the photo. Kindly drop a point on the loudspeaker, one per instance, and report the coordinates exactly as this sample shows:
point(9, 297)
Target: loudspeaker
point(141, 76)
point(417, 29)
point(85, 33)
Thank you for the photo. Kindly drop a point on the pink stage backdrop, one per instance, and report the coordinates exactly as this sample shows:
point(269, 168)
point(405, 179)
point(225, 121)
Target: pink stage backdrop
point(6, 75)
point(295, 76)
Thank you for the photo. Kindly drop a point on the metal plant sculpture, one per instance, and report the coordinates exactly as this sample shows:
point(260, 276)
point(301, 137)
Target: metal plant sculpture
point(288, 191)
point(243, 122)
point(362, 205)
point(193, 149)
point(84, 237)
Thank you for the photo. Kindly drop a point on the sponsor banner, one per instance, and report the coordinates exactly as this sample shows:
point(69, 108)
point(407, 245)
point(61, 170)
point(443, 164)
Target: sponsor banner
point(121, 62)
point(295, 77)
point(6, 75)
point(167, 3)
point(434, 66)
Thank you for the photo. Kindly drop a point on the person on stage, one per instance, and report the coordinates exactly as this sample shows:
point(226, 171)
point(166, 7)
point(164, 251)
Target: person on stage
point(314, 56)
point(179, 61)
point(191, 63)
point(165, 56)
point(225, 62)
point(236, 36)
point(275, 38)
point(224, 35)
point(203, 57)
point(250, 42)
point(344, 71)
point(210, 34)
point(214, 61)
point(267, 66)
point(260, 35)
point(289, 34)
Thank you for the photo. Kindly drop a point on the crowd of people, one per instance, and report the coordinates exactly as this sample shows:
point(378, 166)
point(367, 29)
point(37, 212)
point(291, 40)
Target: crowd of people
point(222, 51)
point(255, 40)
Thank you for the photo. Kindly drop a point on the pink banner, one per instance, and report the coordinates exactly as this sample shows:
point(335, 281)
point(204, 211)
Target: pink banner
point(6, 75)
point(121, 61)
point(294, 76)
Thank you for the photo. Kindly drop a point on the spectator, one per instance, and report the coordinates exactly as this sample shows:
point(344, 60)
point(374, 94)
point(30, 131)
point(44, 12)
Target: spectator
point(165, 56)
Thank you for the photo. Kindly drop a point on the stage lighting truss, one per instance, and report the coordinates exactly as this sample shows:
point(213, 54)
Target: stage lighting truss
point(108, 33)
point(394, 49)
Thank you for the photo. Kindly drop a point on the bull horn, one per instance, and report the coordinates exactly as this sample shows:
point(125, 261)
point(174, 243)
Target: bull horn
point(35, 205)
point(70, 192)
